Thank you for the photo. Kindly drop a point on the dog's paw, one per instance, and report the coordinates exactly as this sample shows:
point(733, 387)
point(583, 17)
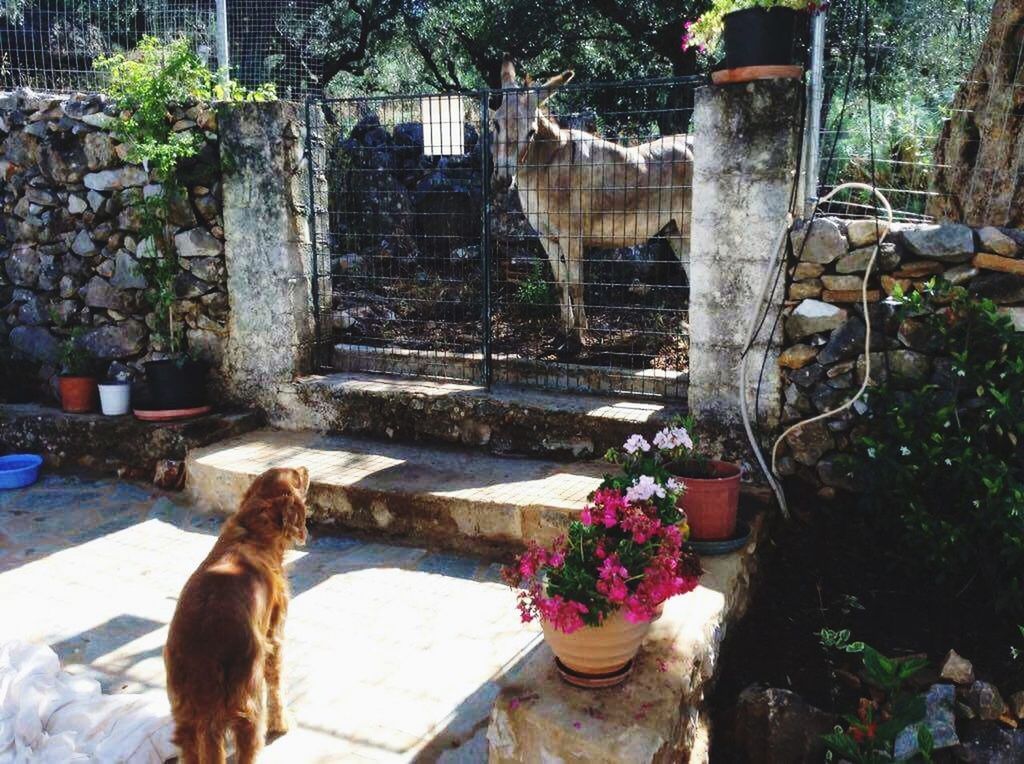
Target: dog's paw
point(280, 723)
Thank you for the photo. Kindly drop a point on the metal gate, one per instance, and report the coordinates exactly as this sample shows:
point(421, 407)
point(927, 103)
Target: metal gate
point(437, 272)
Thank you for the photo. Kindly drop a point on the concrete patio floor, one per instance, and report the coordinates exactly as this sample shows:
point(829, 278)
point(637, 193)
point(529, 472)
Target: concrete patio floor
point(391, 652)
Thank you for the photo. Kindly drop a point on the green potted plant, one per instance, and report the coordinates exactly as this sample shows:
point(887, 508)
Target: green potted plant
point(77, 381)
point(176, 384)
point(710, 488)
point(597, 590)
point(754, 33)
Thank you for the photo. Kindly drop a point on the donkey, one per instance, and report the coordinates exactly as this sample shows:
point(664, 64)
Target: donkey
point(578, 190)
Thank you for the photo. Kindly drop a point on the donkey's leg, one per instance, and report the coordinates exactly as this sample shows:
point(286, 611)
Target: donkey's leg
point(680, 244)
point(574, 280)
point(559, 267)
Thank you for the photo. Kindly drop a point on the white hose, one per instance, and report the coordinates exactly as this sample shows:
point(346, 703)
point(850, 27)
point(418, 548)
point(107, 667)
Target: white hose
point(772, 475)
point(867, 316)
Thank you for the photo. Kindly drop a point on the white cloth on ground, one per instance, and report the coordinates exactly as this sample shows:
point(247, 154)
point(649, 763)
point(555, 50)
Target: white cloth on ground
point(47, 715)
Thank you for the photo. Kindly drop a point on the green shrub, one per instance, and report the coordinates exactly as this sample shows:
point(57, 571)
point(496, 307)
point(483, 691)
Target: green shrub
point(533, 293)
point(942, 463)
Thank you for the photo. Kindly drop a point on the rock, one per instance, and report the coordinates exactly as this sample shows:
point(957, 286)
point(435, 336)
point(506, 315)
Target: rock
point(186, 286)
point(810, 442)
point(803, 290)
point(205, 345)
point(845, 343)
point(957, 669)
point(940, 719)
point(196, 243)
point(985, 700)
point(808, 375)
point(208, 208)
point(919, 269)
point(960, 274)
point(996, 263)
point(22, 265)
point(890, 284)
point(807, 271)
point(1017, 704)
point(1016, 316)
point(100, 294)
point(99, 120)
point(909, 365)
point(947, 243)
point(1001, 288)
point(857, 261)
point(76, 204)
point(68, 287)
point(206, 268)
point(917, 335)
point(775, 725)
point(36, 343)
point(99, 151)
point(864, 232)
point(123, 177)
point(96, 200)
point(169, 475)
point(116, 340)
point(34, 312)
point(842, 283)
point(105, 269)
point(821, 242)
point(836, 471)
point(63, 165)
point(465, 254)
point(811, 317)
point(991, 744)
point(879, 370)
point(127, 272)
point(21, 149)
point(797, 356)
point(83, 245)
point(995, 241)
point(65, 312)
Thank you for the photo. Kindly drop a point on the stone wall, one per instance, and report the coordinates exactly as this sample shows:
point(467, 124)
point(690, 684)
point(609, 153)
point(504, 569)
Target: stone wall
point(822, 362)
point(71, 249)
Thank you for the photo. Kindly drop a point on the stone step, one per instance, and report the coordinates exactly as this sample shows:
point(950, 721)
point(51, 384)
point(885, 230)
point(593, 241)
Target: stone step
point(513, 369)
point(429, 495)
point(503, 420)
point(658, 714)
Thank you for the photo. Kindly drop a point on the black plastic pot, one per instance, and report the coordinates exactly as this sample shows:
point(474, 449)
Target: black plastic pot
point(763, 37)
point(176, 384)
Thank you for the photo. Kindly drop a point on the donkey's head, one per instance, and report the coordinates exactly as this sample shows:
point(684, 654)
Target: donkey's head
point(515, 123)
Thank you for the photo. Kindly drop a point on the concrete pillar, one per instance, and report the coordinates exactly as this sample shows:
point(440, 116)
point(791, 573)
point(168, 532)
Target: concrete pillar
point(268, 248)
point(746, 148)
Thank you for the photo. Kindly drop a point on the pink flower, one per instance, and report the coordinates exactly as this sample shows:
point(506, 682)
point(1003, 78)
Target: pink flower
point(564, 615)
point(585, 517)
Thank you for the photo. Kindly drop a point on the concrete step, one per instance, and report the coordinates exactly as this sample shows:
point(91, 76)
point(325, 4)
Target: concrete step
point(503, 420)
point(429, 495)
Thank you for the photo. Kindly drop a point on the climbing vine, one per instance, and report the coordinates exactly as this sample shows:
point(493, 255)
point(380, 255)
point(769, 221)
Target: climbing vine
point(147, 83)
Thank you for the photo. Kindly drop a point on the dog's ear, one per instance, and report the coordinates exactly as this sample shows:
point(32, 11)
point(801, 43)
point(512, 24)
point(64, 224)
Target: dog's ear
point(293, 517)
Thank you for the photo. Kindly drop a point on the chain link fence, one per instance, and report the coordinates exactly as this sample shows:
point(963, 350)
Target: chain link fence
point(52, 45)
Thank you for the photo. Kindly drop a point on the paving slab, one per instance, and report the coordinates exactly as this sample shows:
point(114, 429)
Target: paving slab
point(391, 652)
point(427, 494)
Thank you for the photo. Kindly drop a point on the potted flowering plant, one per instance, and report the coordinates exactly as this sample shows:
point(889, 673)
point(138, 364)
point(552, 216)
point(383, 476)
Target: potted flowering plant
point(756, 33)
point(597, 589)
point(77, 380)
point(709, 488)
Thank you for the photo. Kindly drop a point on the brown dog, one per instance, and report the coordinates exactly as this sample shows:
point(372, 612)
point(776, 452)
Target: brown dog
point(224, 646)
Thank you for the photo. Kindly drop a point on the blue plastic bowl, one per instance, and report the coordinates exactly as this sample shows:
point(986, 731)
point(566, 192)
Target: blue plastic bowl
point(19, 470)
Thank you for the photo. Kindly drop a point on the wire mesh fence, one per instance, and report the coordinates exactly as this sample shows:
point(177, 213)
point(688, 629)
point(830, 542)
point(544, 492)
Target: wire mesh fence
point(574, 278)
point(52, 45)
point(891, 76)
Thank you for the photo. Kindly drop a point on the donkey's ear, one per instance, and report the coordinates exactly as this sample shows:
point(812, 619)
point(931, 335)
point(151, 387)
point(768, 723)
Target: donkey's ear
point(508, 72)
point(548, 88)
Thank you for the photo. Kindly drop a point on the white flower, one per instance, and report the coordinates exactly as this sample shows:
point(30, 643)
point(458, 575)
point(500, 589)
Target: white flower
point(871, 453)
point(673, 486)
point(636, 443)
point(904, 451)
point(643, 489)
point(949, 461)
point(672, 438)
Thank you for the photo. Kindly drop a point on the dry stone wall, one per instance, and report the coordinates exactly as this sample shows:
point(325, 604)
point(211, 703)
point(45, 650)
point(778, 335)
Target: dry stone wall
point(822, 361)
point(72, 252)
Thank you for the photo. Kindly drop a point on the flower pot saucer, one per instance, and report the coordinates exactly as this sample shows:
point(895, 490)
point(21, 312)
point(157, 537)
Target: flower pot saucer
point(723, 546)
point(751, 73)
point(594, 681)
point(170, 415)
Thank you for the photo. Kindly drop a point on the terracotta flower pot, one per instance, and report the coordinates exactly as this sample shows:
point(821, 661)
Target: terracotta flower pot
point(710, 503)
point(597, 656)
point(78, 394)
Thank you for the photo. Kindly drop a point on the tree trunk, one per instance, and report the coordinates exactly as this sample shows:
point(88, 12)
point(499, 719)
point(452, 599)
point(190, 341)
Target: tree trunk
point(978, 158)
